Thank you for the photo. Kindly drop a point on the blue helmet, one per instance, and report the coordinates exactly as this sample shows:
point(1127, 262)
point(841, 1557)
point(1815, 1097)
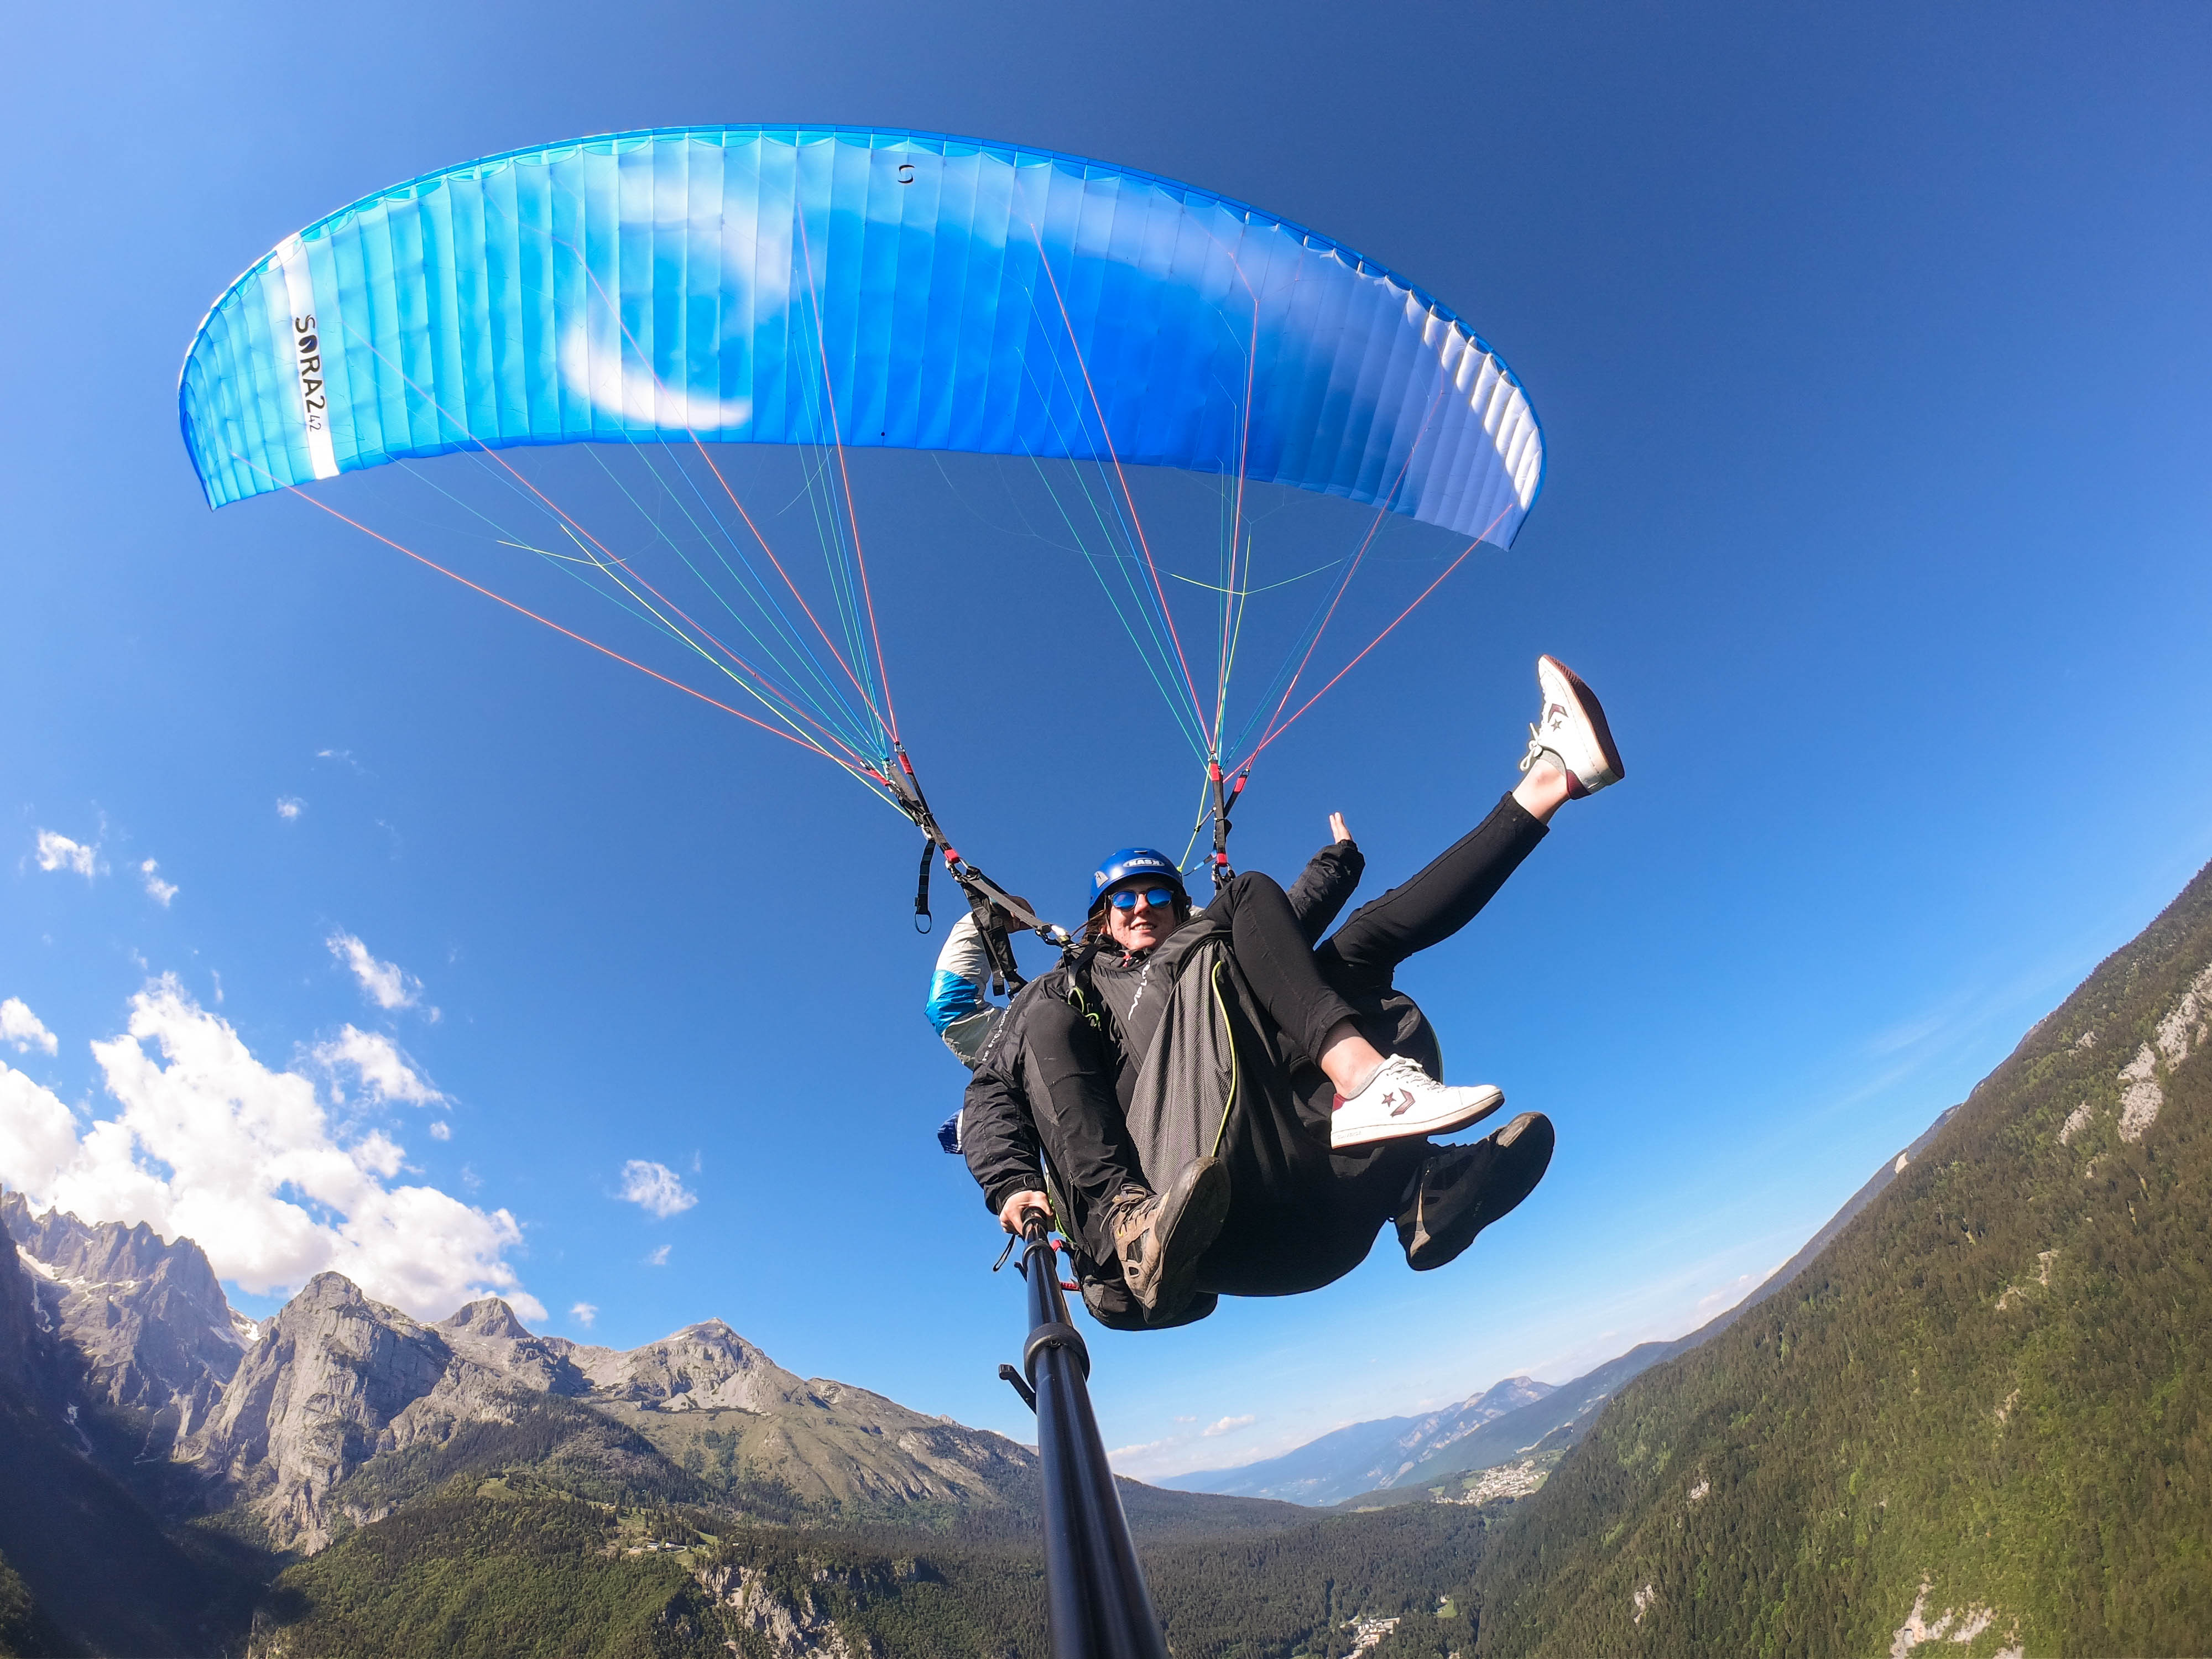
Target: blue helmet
point(1118, 867)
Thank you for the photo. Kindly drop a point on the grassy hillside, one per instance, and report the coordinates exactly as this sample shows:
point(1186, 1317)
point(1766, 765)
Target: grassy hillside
point(1987, 1399)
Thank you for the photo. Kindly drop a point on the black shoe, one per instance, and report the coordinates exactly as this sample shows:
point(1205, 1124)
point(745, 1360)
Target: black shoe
point(1464, 1188)
point(1161, 1239)
point(1112, 1306)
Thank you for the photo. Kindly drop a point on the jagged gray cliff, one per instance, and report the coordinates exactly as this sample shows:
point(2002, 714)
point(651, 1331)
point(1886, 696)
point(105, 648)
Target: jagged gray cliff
point(132, 1339)
point(144, 1325)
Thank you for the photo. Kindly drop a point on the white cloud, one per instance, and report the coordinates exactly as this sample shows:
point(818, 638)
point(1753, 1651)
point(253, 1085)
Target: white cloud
point(20, 1026)
point(585, 1313)
point(1140, 1450)
point(1229, 1425)
point(159, 891)
point(211, 1144)
point(655, 1189)
point(441, 1130)
point(289, 807)
point(383, 1070)
point(657, 1258)
point(381, 982)
point(60, 853)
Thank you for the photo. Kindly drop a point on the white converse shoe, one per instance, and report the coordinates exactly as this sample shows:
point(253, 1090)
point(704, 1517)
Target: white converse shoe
point(1402, 1100)
point(1571, 732)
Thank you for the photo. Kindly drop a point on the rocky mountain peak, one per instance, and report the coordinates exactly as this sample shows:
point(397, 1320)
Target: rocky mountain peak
point(1510, 1395)
point(143, 1321)
point(332, 1290)
point(488, 1316)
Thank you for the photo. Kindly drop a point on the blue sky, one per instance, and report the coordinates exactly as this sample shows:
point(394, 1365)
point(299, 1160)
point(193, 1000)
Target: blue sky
point(1870, 346)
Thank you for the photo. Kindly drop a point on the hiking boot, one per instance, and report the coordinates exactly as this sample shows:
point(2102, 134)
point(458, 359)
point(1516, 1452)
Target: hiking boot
point(1112, 1306)
point(1402, 1100)
point(1160, 1239)
point(1571, 733)
point(1462, 1189)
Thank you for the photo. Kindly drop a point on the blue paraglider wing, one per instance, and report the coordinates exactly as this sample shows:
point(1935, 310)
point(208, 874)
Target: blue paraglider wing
point(782, 285)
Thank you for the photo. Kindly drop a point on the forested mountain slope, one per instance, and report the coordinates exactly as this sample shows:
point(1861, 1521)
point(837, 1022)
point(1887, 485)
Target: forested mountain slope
point(1987, 1400)
point(519, 1571)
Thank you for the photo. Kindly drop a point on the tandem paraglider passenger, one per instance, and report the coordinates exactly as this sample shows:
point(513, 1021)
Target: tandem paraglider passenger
point(1206, 1103)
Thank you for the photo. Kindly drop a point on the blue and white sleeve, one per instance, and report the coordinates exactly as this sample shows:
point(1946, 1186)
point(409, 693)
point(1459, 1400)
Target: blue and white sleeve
point(956, 989)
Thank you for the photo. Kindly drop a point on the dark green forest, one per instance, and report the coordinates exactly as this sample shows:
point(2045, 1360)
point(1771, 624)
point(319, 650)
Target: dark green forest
point(489, 1568)
point(1993, 1384)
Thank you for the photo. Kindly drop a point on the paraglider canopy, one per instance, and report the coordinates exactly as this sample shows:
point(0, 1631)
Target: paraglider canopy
point(694, 282)
point(844, 288)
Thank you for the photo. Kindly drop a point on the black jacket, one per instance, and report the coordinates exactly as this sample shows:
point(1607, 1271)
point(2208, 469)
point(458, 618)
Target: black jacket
point(998, 1133)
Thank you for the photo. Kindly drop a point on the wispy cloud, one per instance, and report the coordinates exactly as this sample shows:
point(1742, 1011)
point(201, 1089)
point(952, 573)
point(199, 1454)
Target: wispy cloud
point(20, 1026)
point(383, 983)
point(1229, 1425)
point(441, 1130)
point(58, 852)
point(289, 807)
point(384, 1071)
point(209, 1143)
point(157, 889)
point(655, 1189)
point(343, 757)
point(585, 1313)
point(657, 1258)
point(1147, 1446)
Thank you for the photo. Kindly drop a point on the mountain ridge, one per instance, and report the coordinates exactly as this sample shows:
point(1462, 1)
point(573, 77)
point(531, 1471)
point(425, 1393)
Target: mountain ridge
point(1334, 1469)
point(1981, 1414)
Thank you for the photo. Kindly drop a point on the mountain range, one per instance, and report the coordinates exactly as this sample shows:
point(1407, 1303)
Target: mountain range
point(180, 1455)
point(1972, 1413)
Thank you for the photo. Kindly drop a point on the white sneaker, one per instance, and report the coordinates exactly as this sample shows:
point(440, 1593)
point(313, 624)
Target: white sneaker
point(1571, 732)
point(1402, 1100)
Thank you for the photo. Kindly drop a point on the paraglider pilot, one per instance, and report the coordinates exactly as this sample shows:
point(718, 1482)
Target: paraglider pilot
point(1211, 1104)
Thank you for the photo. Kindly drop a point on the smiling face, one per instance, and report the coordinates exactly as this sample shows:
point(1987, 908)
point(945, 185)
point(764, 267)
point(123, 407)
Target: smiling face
point(1143, 924)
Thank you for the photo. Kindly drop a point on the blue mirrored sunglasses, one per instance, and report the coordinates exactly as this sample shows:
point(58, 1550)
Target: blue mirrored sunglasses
point(1126, 899)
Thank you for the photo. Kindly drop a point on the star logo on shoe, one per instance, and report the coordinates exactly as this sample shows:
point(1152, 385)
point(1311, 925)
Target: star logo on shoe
point(1398, 1102)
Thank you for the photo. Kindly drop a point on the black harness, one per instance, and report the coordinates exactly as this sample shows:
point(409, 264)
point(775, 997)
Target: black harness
point(988, 903)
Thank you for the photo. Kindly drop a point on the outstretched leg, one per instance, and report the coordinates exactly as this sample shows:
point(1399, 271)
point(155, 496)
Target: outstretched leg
point(1385, 1098)
point(1570, 754)
point(1359, 959)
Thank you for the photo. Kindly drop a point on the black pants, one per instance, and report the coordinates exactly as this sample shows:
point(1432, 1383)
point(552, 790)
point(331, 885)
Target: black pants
point(1306, 992)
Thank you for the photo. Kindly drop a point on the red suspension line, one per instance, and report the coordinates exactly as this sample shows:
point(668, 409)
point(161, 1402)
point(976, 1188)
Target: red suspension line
point(1107, 437)
point(1277, 732)
point(830, 394)
point(857, 765)
point(1374, 526)
point(562, 513)
point(837, 654)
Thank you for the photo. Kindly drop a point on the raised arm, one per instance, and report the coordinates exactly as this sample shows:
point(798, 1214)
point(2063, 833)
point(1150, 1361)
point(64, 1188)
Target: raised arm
point(1322, 888)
